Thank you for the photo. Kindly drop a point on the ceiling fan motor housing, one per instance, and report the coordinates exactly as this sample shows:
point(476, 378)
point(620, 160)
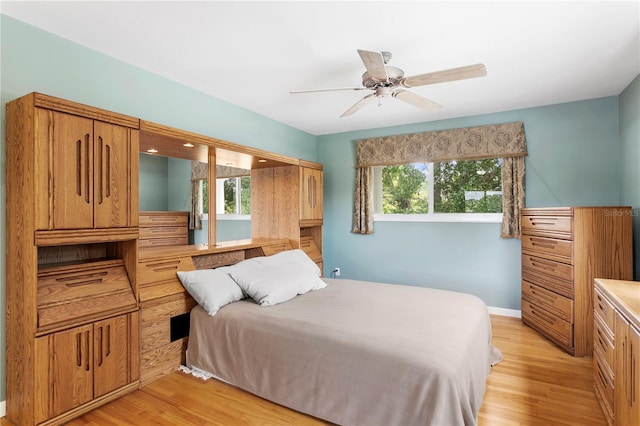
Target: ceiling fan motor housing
point(394, 75)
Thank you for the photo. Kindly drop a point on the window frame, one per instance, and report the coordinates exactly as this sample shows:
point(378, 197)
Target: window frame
point(431, 216)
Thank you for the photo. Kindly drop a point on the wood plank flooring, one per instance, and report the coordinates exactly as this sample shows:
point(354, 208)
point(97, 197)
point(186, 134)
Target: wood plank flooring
point(536, 384)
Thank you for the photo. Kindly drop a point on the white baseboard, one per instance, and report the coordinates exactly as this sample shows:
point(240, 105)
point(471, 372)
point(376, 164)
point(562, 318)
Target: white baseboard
point(3, 408)
point(505, 312)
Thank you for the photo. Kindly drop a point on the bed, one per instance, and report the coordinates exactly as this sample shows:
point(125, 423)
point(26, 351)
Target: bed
point(353, 352)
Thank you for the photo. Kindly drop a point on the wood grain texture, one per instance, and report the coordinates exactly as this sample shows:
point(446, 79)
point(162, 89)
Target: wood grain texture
point(50, 160)
point(536, 384)
point(563, 250)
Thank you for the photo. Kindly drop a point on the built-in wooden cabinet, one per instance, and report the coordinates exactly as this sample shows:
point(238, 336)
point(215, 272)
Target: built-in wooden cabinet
point(286, 202)
point(85, 363)
point(165, 304)
point(84, 172)
point(616, 355)
point(311, 193)
point(563, 250)
point(94, 308)
point(71, 232)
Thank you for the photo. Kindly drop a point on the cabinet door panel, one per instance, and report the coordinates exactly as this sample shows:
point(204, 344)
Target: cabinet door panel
point(111, 350)
point(627, 343)
point(71, 172)
point(311, 194)
point(111, 176)
point(71, 370)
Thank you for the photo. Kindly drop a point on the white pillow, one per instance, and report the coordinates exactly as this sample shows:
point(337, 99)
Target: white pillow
point(211, 288)
point(270, 285)
point(289, 256)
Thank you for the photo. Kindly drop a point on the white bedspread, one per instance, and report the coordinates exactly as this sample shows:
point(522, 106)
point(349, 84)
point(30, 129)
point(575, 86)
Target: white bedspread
point(355, 353)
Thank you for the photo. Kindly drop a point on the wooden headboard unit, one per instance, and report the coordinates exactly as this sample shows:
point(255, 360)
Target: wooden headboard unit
point(165, 304)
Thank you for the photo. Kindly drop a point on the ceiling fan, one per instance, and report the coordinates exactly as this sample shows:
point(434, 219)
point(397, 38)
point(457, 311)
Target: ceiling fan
point(385, 80)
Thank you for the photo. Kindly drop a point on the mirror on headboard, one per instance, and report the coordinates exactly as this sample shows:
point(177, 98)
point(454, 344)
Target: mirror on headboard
point(170, 159)
point(166, 171)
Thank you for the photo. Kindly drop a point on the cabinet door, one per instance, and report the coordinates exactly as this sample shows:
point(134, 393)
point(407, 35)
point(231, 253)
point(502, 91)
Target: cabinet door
point(65, 145)
point(111, 354)
point(634, 361)
point(627, 344)
point(69, 371)
point(111, 175)
point(311, 193)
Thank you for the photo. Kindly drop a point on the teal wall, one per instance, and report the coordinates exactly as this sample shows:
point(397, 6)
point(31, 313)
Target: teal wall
point(575, 158)
point(630, 160)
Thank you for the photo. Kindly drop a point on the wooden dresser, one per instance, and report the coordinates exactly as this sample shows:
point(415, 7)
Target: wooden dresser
point(616, 353)
point(163, 228)
point(563, 250)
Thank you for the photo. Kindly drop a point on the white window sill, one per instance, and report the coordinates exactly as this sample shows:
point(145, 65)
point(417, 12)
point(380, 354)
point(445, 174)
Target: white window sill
point(233, 217)
point(440, 217)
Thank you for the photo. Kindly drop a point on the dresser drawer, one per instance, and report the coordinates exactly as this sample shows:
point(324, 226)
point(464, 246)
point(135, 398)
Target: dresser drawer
point(537, 225)
point(164, 231)
point(163, 218)
point(548, 247)
point(603, 341)
point(163, 242)
point(549, 282)
point(553, 302)
point(161, 270)
point(549, 324)
point(604, 382)
point(546, 266)
point(604, 309)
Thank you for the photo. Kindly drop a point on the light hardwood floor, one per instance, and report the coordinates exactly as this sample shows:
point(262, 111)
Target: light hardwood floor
point(536, 384)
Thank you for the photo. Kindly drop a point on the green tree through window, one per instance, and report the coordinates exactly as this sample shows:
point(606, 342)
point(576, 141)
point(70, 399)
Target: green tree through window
point(404, 190)
point(468, 186)
point(473, 186)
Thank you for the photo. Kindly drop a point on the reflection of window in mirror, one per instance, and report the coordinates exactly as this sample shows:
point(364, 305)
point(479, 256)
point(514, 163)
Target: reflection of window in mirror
point(233, 207)
point(235, 195)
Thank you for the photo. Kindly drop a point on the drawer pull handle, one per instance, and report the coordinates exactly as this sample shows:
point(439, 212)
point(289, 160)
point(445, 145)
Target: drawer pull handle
point(602, 344)
point(602, 308)
point(603, 379)
point(551, 321)
point(542, 266)
point(539, 242)
point(542, 296)
point(600, 334)
point(551, 222)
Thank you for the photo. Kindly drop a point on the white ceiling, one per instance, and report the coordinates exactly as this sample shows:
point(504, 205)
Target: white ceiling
point(253, 53)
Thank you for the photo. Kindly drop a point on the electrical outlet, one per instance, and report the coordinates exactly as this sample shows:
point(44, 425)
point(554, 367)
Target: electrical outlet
point(336, 271)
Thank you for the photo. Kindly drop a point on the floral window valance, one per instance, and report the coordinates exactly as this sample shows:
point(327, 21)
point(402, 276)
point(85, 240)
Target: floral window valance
point(505, 141)
point(470, 143)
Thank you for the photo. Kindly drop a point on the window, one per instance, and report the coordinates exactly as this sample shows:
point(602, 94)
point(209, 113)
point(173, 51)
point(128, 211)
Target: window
point(435, 189)
point(234, 195)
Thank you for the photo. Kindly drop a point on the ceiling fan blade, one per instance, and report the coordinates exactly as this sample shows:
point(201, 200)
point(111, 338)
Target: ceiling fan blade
point(416, 100)
point(327, 90)
point(461, 73)
point(362, 102)
point(374, 63)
